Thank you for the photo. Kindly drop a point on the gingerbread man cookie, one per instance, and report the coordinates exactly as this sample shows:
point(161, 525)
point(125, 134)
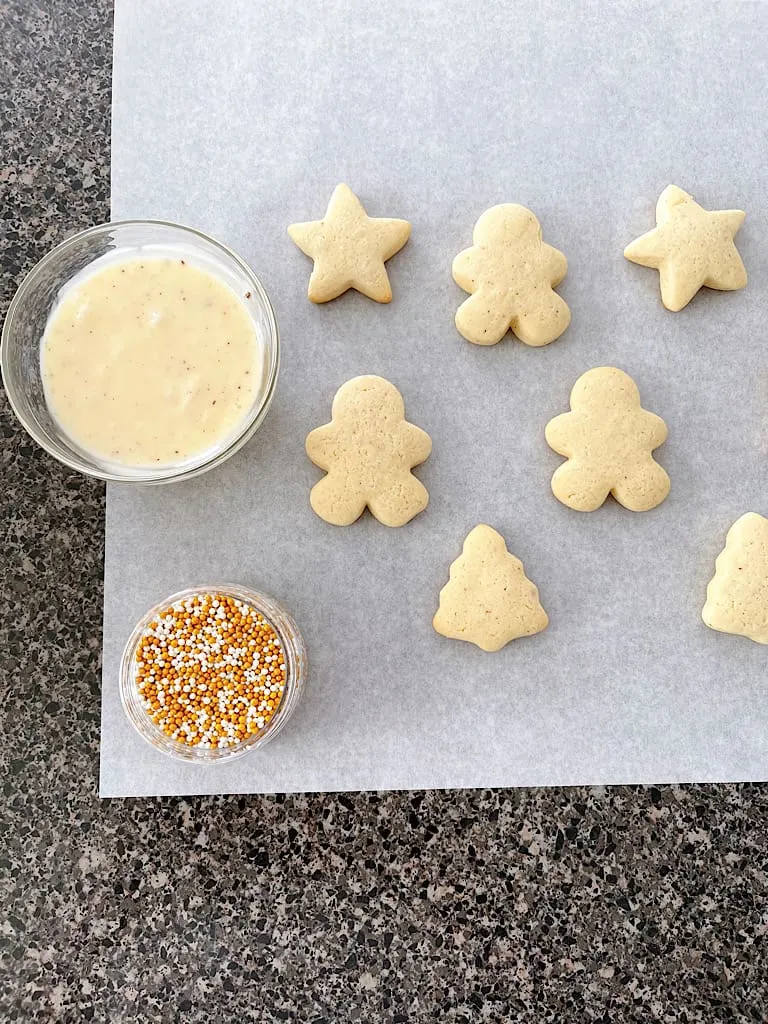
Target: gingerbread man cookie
point(737, 595)
point(368, 450)
point(608, 439)
point(349, 248)
point(690, 247)
point(488, 600)
point(510, 273)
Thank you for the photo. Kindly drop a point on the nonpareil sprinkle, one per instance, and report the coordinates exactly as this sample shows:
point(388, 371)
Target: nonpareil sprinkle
point(210, 671)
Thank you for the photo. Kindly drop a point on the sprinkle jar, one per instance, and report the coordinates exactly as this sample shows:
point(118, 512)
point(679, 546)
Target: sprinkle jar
point(212, 672)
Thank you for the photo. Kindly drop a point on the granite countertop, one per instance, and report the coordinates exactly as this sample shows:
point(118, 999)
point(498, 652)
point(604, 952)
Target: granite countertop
point(604, 904)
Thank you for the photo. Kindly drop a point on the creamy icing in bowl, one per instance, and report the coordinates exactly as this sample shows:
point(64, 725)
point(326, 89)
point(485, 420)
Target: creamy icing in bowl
point(140, 351)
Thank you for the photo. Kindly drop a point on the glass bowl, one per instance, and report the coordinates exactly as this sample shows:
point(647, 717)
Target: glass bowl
point(295, 678)
point(29, 310)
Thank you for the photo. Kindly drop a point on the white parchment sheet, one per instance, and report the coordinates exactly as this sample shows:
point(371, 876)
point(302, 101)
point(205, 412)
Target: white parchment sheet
point(239, 118)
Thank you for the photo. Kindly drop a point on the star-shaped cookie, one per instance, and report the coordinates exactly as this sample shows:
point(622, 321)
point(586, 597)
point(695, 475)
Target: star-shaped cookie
point(690, 247)
point(349, 248)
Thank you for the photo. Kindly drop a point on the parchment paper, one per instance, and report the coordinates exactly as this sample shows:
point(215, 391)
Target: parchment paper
point(239, 118)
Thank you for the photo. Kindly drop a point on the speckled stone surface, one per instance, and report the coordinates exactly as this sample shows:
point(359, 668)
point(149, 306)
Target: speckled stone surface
point(609, 905)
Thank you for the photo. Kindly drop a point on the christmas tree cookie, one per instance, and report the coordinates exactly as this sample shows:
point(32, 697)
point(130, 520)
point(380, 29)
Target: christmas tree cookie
point(488, 599)
point(737, 595)
point(510, 274)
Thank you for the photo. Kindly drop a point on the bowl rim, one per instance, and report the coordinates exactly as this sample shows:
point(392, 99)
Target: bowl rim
point(295, 652)
point(250, 425)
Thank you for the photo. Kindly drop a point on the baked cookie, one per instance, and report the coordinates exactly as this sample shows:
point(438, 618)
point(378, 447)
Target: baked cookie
point(349, 248)
point(368, 450)
point(737, 595)
point(608, 439)
point(488, 600)
point(690, 247)
point(510, 273)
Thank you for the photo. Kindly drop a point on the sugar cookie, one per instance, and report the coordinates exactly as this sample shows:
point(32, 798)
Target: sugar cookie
point(510, 273)
point(349, 248)
point(737, 595)
point(368, 450)
point(608, 439)
point(690, 247)
point(488, 600)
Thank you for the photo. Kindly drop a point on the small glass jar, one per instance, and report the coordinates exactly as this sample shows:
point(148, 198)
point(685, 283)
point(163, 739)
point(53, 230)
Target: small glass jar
point(37, 295)
point(295, 678)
